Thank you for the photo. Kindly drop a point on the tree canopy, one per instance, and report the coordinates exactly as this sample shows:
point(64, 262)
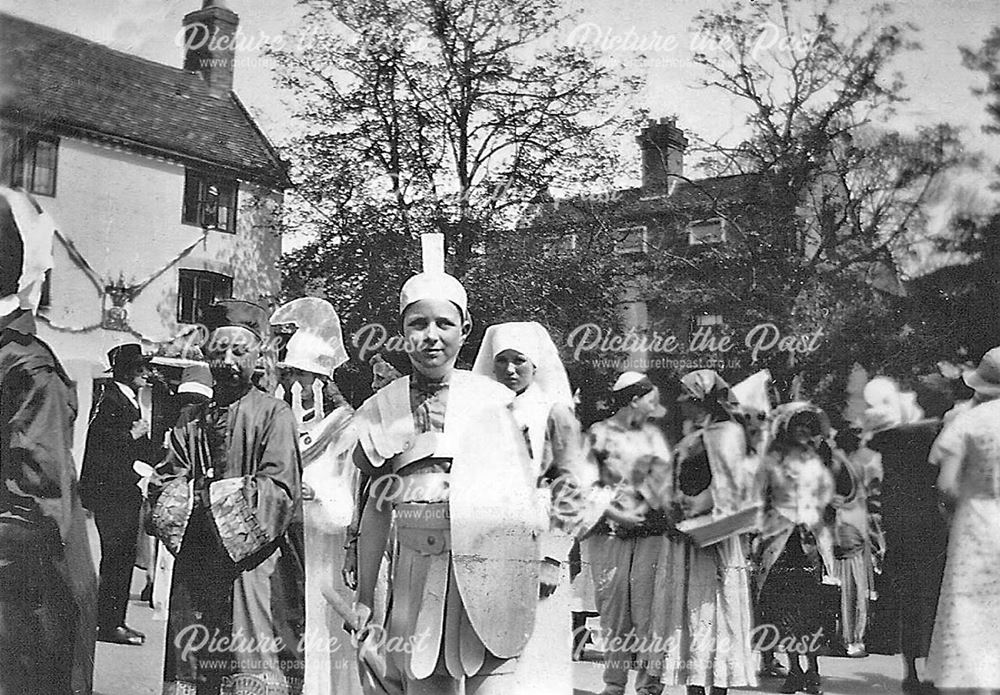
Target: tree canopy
point(447, 116)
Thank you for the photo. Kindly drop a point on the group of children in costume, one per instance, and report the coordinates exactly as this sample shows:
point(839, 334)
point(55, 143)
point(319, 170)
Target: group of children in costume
point(452, 499)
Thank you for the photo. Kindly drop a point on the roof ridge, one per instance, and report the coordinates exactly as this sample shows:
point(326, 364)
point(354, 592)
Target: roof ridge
point(141, 103)
point(82, 39)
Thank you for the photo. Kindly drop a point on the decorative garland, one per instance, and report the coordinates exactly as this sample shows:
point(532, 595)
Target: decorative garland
point(87, 329)
point(120, 293)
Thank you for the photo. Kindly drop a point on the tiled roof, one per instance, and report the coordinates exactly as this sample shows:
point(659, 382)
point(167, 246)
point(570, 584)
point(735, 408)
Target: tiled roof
point(631, 203)
point(59, 81)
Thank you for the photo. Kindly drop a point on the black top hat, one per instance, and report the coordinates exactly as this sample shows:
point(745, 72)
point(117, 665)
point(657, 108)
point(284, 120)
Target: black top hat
point(122, 358)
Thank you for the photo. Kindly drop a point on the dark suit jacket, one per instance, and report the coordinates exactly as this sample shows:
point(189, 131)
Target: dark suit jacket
point(107, 480)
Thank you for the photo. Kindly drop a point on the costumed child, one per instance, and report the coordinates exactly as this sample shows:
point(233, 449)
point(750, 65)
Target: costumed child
point(522, 357)
point(452, 478)
point(634, 461)
point(326, 437)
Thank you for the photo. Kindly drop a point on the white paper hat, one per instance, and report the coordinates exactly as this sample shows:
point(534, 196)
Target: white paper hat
point(318, 344)
point(888, 405)
point(534, 342)
point(433, 283)
point(26, 227)
point(627, 379)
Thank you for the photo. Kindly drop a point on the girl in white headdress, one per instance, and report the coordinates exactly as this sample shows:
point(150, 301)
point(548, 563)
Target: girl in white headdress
point(326, 437)
point(523, 358)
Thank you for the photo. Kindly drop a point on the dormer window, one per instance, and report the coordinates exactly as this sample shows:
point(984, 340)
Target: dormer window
point(209, 201)
point(710, 231)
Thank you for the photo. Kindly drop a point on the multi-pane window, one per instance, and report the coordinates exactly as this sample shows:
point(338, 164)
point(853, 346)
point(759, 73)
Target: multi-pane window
point(209, 201)
point(712, 231)
point(198, 289)
point(631, 239)
point(28, 160)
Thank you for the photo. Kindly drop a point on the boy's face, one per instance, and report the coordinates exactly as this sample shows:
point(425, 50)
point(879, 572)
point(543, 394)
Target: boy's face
point(434, 331)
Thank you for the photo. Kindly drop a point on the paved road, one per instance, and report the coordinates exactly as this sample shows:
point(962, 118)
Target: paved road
point(124, 670)
point(873, 675)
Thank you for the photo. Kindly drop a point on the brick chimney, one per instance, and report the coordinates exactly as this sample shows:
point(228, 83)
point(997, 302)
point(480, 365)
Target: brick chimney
point(662, 145)
point(209, 36)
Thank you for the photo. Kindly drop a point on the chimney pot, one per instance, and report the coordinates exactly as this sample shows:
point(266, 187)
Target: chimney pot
point(662, 145)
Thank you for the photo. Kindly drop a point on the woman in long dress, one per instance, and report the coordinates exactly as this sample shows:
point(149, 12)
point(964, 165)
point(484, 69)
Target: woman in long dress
point(916, 536)
point(796, 589)
point(964, 651)
point(701, 610)
point(522, 357)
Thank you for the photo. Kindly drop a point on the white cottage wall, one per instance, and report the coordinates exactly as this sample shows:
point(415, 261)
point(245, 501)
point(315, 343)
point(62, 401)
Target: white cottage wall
point(122, 211)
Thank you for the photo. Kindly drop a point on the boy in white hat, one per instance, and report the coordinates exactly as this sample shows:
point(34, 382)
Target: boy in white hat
point(449, 464)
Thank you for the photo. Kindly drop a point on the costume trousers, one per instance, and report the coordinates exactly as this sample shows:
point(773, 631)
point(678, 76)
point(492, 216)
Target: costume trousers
point(119, 529)
point(625, 575)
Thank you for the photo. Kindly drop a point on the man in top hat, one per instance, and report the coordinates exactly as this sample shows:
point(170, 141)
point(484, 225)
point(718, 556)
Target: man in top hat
point(227, 503)
point(118, 436)
point(47, 582)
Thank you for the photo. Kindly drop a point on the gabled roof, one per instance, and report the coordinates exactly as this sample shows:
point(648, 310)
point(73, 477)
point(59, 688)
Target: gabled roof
point(685, 196)
point(57, 81)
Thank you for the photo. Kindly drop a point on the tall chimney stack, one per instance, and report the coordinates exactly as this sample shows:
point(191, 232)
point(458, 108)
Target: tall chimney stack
point(662, 145)
point(209, 42)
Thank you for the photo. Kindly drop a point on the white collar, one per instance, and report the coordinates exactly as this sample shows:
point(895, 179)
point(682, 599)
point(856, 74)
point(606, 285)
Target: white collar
point(129, 393)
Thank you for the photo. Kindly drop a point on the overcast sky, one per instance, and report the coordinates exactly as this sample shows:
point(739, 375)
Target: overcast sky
point(938, 87)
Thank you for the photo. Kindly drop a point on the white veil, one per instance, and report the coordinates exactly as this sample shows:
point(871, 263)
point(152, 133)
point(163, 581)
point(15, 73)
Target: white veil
point(534, 342)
